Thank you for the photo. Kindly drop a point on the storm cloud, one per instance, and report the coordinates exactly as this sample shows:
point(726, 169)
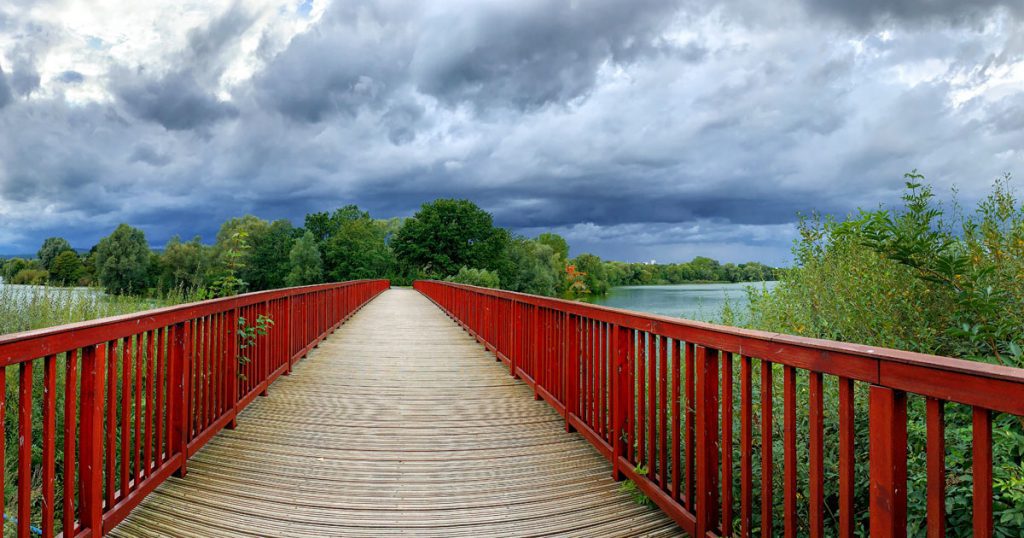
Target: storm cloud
point(640, 130)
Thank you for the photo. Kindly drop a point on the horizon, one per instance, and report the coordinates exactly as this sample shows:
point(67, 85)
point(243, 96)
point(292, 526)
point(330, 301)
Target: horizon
point(655, 130)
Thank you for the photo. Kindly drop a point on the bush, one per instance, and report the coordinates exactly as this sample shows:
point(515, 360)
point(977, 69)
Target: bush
point(30, 276)
point(476, 277)
point(923, 279)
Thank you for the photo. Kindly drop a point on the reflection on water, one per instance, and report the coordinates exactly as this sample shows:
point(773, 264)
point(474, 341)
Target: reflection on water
point(692, 301)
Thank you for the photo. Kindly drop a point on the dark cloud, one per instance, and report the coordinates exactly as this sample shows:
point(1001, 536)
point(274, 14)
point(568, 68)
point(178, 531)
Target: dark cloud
point(176, 101)
point(530, 54)
point(147, 154)
point(24, 79)
point(5, 90)
point(71, 77)
point(638, 129)
point(865, 13)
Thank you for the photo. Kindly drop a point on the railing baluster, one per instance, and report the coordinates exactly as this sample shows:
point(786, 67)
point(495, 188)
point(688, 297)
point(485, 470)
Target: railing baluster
point(789, 449)
point(727, 467)
point(707, 440)
point(49, 443)
point(746, 446)
point(981, 465)
point(70, 419)
point(767, 467)
point(816, 465)
point(888, 453)
point(846, 454)
point(936, 453)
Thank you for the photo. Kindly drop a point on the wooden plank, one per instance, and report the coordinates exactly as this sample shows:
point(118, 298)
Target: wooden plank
point(406, 427)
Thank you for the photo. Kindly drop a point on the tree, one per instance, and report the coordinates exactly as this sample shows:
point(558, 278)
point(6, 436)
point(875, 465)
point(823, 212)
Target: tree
point(14, 266)
point(534, 268)
point(66, 269)
point(357, 249)
point(185, 266)
point(267, 264)
point(122, 260)
point(594, 274)
point(446, 235)
point(305, 264)
point(476, 277)
point(556, 242)
point(52, 247)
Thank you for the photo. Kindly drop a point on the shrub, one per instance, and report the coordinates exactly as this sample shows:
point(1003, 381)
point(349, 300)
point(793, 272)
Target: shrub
point(476, 277)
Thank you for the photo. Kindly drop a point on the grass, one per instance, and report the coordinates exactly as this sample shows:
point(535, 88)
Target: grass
point(34, 307)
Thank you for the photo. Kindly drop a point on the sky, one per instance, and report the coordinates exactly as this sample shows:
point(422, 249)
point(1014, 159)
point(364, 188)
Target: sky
point(638, 129)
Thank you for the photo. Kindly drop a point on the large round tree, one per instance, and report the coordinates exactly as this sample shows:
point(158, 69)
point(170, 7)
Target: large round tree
point(445, 235)
point(122, 260)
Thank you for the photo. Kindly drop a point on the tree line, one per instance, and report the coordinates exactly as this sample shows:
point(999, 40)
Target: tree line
point(446, 239)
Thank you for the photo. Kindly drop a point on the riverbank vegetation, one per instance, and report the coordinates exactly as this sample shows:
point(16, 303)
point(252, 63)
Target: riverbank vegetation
point(923, 277)
point(445, 239)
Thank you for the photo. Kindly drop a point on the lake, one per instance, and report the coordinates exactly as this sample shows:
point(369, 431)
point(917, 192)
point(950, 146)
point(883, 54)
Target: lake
point(692, 301)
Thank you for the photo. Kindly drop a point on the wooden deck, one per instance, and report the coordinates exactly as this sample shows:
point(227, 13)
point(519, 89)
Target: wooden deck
point(398, 424)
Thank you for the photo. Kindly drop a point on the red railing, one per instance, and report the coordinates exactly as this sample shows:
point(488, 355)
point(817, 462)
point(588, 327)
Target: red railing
point(144, 392)
point(657, 397)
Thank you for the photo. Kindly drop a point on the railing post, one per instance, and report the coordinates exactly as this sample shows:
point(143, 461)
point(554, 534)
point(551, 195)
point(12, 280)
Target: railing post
point(90, 487)
point(888, 462)
point(180, 404)
point(620, 339)
point(232, 368)
point(707, 440)
point(570, 373)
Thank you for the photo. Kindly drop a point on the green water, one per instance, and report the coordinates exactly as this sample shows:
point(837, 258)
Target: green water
point(702, 302)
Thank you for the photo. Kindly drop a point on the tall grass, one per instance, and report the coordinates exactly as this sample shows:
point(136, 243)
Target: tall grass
point(33, 307)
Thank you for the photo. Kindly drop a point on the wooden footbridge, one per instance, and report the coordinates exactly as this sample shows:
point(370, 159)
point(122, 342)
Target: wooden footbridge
point(365, 411)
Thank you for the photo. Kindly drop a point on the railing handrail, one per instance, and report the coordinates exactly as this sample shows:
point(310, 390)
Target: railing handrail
point(645, 321)
point(163, 382)
point(627, 380)
point(15, 347)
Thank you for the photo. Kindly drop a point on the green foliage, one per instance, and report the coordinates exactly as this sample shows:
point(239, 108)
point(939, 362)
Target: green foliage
point(14, 266)
point(557, 243)
point(185, 266)
point(66, 269)
point(922, 278)
point(30, 276)
point(266, 262)
point(305, 266)
point(533, 267)
point(630, 488)
point(51, 248)
point(233, 250)
point(248, 336)
point(446, 235)
point(593, 271)
point(122, 261)
point(476, 277)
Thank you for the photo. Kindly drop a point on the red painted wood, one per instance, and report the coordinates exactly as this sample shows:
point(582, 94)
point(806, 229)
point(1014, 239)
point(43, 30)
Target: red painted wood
point(746, 446)
point(727, 464)
point(676, 414)
point(847, 516)
point(707, 441)
point(70, 436)
point(789, 450)
point(936, 448)
point(982, 470)
point(816, 455)
point(49, 443)
point(24, 448)
point(90, 493)
point(691, 423)
point(888, 453)
point(767, 468)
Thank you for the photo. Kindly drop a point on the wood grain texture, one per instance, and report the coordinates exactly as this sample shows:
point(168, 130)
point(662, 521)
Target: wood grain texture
point(399, 424)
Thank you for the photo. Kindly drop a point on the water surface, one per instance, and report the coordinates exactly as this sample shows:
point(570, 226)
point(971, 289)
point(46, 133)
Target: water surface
point(702, 302)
